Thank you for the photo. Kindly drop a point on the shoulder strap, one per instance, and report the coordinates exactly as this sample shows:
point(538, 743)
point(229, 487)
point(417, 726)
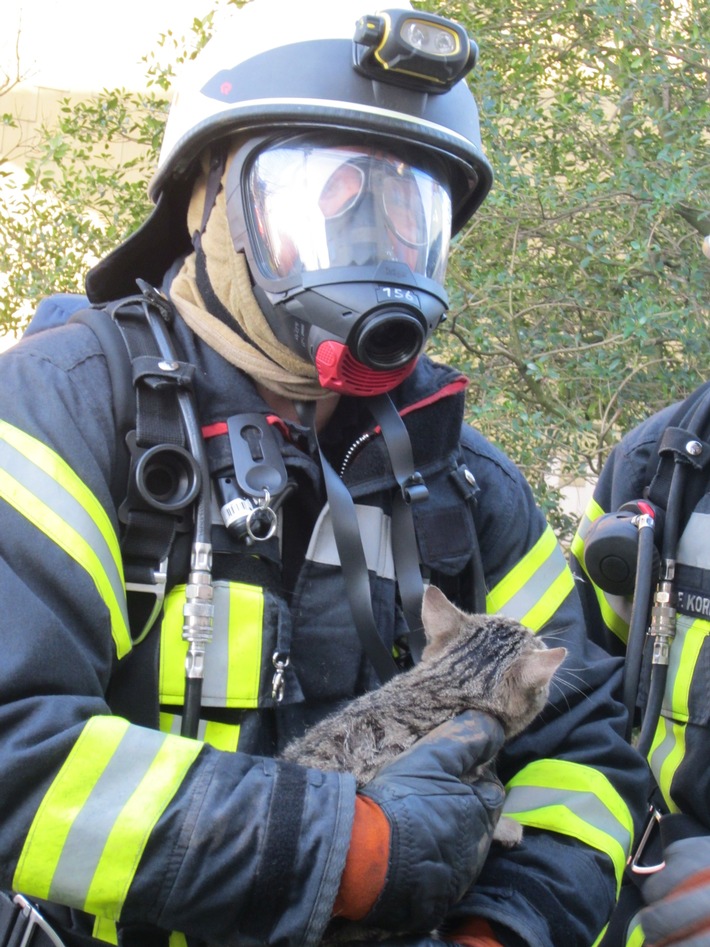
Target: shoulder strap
point(156, 477)
point(119, 369)
point(681, 441)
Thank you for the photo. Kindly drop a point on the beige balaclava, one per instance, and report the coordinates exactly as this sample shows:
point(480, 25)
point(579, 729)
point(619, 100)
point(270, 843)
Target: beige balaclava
point(266, 360)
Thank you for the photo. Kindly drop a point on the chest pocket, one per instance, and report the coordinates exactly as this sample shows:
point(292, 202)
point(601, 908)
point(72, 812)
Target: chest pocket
point(251, 629)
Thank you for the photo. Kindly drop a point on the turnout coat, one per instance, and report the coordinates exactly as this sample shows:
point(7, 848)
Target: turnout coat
point(109, 815)
point(680, 747)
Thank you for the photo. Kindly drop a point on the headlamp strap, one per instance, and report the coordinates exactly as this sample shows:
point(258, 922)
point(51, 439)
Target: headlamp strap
point(346, 531)
point(404, 539)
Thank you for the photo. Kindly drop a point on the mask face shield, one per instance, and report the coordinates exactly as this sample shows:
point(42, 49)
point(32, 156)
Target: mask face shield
point(347, 246)
point(319, 208)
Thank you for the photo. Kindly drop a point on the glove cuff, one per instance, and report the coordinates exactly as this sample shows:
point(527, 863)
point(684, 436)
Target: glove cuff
point(366, 863)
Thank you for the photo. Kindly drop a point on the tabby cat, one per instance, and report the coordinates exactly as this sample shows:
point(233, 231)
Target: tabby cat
point(470, 662)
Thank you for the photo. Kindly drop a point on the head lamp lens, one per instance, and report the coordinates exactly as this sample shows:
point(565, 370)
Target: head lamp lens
point(435, 40)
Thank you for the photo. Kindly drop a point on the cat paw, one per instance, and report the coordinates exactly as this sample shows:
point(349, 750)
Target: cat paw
point(508, 832)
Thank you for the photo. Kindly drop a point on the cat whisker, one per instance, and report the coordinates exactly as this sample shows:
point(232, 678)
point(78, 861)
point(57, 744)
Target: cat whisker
point(573, 672)
point(563, 694)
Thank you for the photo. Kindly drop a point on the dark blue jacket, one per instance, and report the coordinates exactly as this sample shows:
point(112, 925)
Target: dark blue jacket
point(680, 749)
point(118, 820)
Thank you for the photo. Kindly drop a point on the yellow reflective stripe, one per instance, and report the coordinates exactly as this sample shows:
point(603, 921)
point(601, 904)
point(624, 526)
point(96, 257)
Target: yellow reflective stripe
point(592, 512)
point(554, 596)
point(615, 609)
point(72, 497)
point(92, 826)
point(616, 612)
point(577, 549)
point(222, 736)
point(559, 791)
point(668, 748)
point(665, 756)
point(105, 929)
point(169, 723)
point(601, 936)
point(635, 936)
point(232, 659)
point(685, 653)
point(173, 649)
point(522, 571)
point(65, 797)
point(536, 586)
point(246, 622)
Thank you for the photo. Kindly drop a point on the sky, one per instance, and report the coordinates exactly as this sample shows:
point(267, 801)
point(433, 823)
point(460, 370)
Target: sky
point(89, 44)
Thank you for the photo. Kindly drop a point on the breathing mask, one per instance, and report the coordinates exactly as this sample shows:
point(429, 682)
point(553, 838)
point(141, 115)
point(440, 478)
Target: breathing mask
point(347, 245)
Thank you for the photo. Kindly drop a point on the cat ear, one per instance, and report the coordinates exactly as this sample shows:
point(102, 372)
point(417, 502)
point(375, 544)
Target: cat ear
point(539, 666)
point(440, 617)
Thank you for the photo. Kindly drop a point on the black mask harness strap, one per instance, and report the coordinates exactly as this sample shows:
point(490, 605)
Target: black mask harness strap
point(348, 541)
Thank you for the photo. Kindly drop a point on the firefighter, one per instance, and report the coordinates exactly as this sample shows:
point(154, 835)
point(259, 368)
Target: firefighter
point(218, 528)
point(642, 558)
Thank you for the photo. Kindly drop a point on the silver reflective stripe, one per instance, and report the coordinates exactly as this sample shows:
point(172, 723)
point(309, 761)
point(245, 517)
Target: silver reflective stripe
point(222, 736)
point(42, 487)
point(585, 805)
point(217, 660)
point(684, 655)
point(341, 110)
point(666, 754)
point(528, 596)
point(91, 829)
point(375, 530)
point(693, 545)
point(92, 826)
point(616, 611)
point(582, 530)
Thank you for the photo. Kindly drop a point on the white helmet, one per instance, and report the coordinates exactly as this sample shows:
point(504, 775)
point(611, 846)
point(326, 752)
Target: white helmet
point(284, 67)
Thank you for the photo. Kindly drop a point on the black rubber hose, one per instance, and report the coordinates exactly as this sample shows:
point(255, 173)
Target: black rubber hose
point(638, 625)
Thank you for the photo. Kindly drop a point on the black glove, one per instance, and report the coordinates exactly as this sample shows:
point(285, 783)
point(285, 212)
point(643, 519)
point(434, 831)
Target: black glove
point(679, 896)
point(441, 827)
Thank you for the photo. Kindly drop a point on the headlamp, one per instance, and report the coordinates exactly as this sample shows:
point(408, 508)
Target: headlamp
point(420, 50)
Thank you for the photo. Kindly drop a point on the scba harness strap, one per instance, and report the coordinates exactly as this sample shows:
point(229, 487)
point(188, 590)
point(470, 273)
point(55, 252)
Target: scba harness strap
point(158, 478)
point(22, 925)
point(162, 480)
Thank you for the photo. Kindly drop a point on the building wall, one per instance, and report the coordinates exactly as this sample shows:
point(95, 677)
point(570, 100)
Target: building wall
point(33, 107)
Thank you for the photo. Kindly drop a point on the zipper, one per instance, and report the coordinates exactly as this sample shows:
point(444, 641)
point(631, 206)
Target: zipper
point(450, 389)
point(354, 448)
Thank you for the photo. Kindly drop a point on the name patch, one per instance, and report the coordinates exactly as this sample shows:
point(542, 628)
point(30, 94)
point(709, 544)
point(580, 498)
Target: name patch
point(693, 603)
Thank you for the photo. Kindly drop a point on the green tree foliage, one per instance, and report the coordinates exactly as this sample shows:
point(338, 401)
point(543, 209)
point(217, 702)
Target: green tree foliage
point(579, 291)
point(579, 295)
point(76, 201)
point(80, 197)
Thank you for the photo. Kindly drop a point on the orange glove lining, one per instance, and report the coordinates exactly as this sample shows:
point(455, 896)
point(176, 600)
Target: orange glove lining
point(366, 863)
point(474, 932)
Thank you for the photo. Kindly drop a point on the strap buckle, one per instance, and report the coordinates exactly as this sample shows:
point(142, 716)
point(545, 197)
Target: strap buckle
point(653, 823)
point(157, 588)
point(34, 920)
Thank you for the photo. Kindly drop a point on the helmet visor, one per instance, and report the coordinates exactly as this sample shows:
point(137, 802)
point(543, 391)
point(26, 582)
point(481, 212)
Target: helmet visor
point(317, 207)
